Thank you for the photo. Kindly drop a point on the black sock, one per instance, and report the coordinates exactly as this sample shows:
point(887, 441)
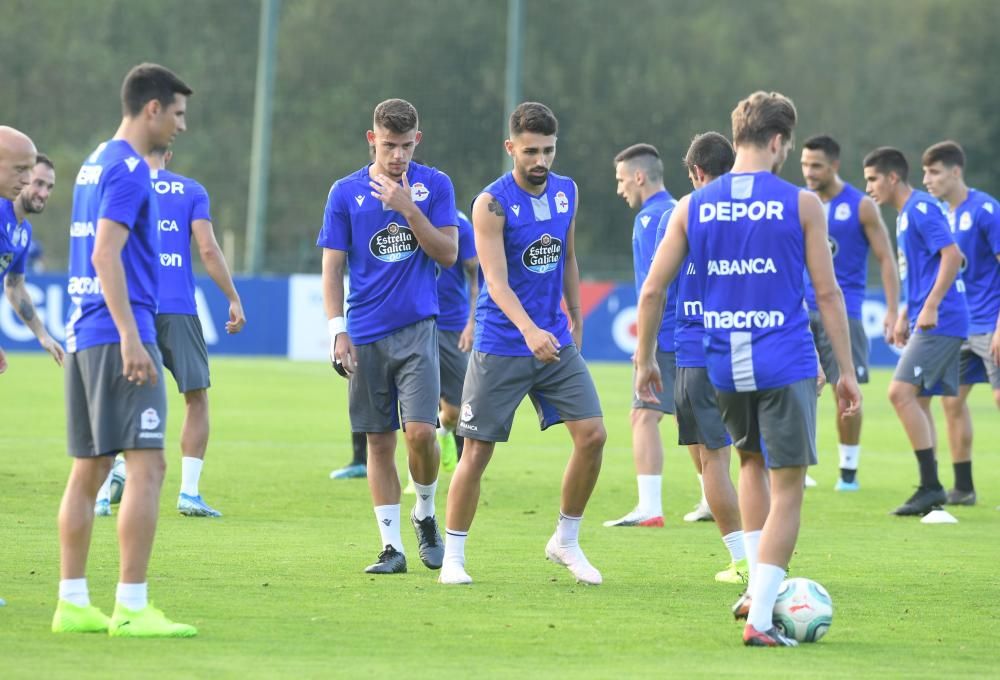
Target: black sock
point(963, 476)
point(359, 441)
point(459, 444)
point(848, 475)
point(928, 468)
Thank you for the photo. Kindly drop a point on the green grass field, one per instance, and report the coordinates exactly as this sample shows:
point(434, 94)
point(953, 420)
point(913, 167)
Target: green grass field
point(276, 586)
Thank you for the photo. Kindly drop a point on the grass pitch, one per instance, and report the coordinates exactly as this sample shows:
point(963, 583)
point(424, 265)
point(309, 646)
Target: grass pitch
point(277, 590)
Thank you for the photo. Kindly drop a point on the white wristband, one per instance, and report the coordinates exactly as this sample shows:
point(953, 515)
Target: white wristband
point(337, 325)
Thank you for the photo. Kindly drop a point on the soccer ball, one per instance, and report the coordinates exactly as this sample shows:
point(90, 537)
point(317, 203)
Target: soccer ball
point(117, 480)
point(803, 610)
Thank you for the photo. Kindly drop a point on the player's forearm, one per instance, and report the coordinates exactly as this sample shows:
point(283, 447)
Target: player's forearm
point(218, 271)
point(834, 316)
point(652, 300)
point(333, 289)
point(20, 301)
point(441, 245)
point(890, 284)
point(111, 274)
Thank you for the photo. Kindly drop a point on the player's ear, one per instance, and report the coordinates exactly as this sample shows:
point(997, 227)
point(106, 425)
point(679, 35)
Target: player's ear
point(370, 136)
point(509, 145)
point(152, 108)
point(416, 140)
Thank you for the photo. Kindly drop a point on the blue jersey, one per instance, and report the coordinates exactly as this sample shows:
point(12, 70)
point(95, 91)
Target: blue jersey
point(15, 240)
point(393, 282)
point(684, 303)
point(975, 225)
point(849, 247)
point(922, 231)
point(534, 237)
point(748, 250)
point(453, 289)
point(113, 184)
point(647, 232)
point(181, 201)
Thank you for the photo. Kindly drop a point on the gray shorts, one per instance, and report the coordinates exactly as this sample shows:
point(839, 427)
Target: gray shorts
point(105, 413)
point(185, 355)
point(975, 362)
point(453, 364)
point(495, 386)
point(698, 418)
point(780, 422)
point(668, 374)
point(396, 380)
point(931, 363)
point(859, 348)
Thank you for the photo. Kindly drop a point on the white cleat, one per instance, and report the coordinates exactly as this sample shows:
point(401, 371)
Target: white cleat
point(701, 513)
point(453, 574)
point(810, 482)
point(637, 518)
point(573, 559)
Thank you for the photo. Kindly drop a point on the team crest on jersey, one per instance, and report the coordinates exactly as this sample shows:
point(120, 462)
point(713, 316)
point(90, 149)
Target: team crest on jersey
point(903, 265)
point(903, 225)
point(19, 237)
point(394, 243)
point(543, 255)
point(562, 204)
point(419, 192)
point(516, 209)
point(965, 222)
point(644, 219)
point(834, 246)
point(842, 213)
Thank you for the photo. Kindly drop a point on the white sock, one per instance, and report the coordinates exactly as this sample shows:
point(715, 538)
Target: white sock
point(388, 525)
point(767, 580)
point(104, 493)
point(849, 456)
point(454, 546)
point(701, 483)
point(74, 591)
point(568, 530)
point(734, 542)
point(190, 474)
point(650, 494)
point(132, 596)
point(751, 543)
point(425, 499)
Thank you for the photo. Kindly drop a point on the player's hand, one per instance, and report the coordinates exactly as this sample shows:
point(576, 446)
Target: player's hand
point(848, 396)
point(576, 330)
point(50, 345)
point(889, 327)
point(820, 379)
point(928, 318)
point(3, 361)
point(902, 332)
point(237, 318)
point(466, 338)
point(648, 380)
point(343, 356)
point(542, 344)
point(137, 365)
point(995, 346)
point(395, 196)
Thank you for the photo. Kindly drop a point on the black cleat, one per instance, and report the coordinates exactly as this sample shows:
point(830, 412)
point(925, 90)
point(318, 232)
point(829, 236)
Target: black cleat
point(960, 497)
point(390, 561)
point(429, 541)
point(771, 637)
point(922, 501)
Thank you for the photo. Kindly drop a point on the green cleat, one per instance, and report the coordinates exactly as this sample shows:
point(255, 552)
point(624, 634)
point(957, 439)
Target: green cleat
point(735, 573)
point(148, 622)
point(449, 450)
point(72, 619)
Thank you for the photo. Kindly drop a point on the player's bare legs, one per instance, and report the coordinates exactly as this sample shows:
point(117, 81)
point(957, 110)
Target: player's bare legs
point(139, 512)
point(76, 513)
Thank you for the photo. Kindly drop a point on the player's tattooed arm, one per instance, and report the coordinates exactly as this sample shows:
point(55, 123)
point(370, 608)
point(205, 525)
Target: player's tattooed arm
point(18, 297)
point(495, 208)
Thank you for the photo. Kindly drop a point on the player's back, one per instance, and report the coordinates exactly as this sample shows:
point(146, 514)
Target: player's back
point(452, 288)
point(748, 248)
point(975, 225)
point(849, 248)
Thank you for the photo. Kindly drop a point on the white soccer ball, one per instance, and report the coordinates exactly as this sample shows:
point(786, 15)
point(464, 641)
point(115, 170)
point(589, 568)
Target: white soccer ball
point(803, 610)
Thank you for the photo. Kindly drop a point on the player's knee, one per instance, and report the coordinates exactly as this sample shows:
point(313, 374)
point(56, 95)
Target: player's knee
point(901, 394)
point(420, 435)
point(594, 437)
point(196, 400)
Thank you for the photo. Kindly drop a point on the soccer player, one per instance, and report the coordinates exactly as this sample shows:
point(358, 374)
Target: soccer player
point(974, 217)
point(184, 214)
point(456, 286)
point(936, 319)
point(392, 222)
point(750, 235)
point(524, 224)
point(115, 397)
point(855, 225)
point(699, 423)
point(15, 247)
point(639, 174)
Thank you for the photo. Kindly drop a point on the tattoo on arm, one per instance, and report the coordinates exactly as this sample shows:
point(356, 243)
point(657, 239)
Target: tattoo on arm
point(495, 208)
point(26, 310)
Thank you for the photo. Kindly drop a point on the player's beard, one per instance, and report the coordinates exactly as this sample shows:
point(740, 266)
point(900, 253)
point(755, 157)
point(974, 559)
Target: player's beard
point(538, 179)
point(29, 206)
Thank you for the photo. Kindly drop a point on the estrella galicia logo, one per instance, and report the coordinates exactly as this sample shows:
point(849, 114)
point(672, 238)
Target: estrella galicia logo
point(834, 246)
point(543, 255)
point(395, 243)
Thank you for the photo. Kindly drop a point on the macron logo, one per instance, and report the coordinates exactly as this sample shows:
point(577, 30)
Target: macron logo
point(132, 162)
point(645, 221)
point(359, 199)
point(516, 209)
point(922, 207)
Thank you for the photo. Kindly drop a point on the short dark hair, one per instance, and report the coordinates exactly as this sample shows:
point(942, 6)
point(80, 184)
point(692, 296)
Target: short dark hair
point(147, 82)
point(947, 152)
point(533, 117)
point(396, 115)
point(762, 115)
point(646, 156)
point(42, 158)
point(825, 143)
point(886, 159)
point(711, 152)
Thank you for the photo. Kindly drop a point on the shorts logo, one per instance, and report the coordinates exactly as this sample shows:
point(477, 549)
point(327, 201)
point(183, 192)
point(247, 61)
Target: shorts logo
point(419, 192)
point(149, 420)
point(965, 222)
point(393, 244)
point(562, 205)
point(917, 370)
point(834, 246)
point(543, 255)
point(466, 412)
point(843, 212)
